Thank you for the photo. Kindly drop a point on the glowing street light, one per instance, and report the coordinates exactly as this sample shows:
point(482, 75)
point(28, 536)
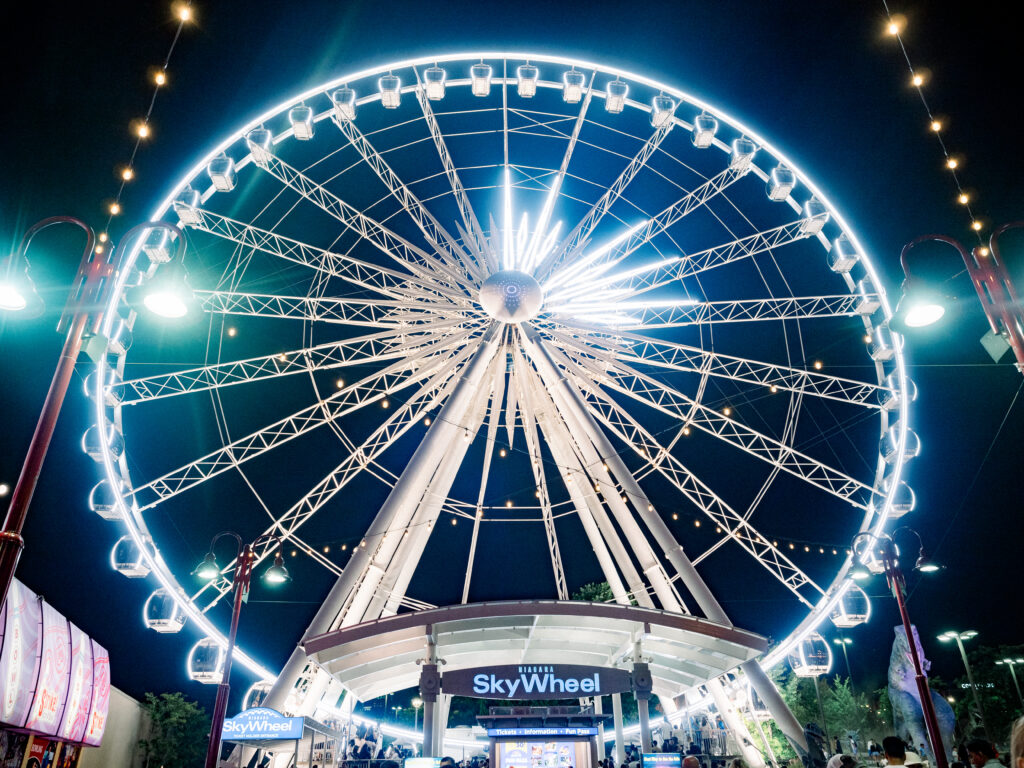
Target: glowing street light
point(417, 702)
point(208, 570)
point(921, 306)
point(83, 314)
point(959, 637)
point(1011, 663)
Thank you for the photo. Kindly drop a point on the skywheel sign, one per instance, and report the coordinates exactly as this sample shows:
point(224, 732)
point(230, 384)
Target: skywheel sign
point(261, 723)
point(524, 682)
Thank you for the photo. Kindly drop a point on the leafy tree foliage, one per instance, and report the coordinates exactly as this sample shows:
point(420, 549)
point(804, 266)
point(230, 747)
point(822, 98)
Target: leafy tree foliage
point(595, 592)
point(178, 734)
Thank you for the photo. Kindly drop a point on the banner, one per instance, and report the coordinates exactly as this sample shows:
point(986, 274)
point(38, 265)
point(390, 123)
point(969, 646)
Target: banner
point(52, 687)
point(261, 723)
point(77, 708)
point(20, 647)
point(535, 681)
point(100, 695)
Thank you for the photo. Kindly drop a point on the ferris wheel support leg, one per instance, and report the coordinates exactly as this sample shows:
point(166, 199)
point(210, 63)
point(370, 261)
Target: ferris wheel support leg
point(581, 424)
point(683, 566)
point(410, 484)
point(407, 557)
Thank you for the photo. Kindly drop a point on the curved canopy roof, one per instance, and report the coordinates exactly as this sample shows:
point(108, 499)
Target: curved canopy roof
point(382, 656)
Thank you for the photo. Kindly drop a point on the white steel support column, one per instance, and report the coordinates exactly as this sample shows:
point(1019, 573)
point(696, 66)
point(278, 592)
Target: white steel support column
point(410, 550)
point(581, 424)
point(414, 480)
point(620, 745)
point(409, 487)
point(599, 710)
point(693, 582)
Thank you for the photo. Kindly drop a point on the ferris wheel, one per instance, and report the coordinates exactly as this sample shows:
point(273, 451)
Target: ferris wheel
point(521, 298)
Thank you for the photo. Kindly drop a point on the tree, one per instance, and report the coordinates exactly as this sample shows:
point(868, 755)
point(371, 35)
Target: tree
point(595, 592)
point(178, 731)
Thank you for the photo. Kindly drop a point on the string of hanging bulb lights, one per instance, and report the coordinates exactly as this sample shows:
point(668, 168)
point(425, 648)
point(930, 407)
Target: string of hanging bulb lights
point(919, 78)
point(141, 129)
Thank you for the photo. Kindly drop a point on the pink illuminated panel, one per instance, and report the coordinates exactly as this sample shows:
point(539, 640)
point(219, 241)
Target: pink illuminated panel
point(21, 621)
point(78, 706)
point(51, 690)
point(100, 695)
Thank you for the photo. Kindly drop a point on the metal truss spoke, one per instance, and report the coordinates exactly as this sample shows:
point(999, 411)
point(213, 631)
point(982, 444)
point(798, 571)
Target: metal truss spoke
point(641, 316)
point(581, 233)
point(421, 363)
point(532, 439)
point(663, 272)
point(446, 247)
point(367, 312)
point(637, 349)
point(363, 274)
point(425, 399)
point(600, 260)
point(627, 429)
point(621, 378)
point(360, 350)
point(392, 245)
point(472, 234)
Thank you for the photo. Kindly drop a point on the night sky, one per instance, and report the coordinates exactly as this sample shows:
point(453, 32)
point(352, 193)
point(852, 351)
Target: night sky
point(818, 79)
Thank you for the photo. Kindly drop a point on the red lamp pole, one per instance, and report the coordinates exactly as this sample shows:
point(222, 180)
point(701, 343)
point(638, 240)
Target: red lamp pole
point(82, 314)
point(91, 271)
point(245, 558)
point(894, 577)
point(243, 570)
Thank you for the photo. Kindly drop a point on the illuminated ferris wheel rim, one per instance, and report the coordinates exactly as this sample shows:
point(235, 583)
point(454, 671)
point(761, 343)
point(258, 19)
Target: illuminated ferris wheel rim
point(134, 522)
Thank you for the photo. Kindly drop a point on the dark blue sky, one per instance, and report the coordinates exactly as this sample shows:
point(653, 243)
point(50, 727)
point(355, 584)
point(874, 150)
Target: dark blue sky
point(818, 79)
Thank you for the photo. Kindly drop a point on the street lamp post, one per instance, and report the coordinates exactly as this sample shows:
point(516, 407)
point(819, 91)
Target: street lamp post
point(417, 702)
point(883, 547)
point(843, 642)
point(245, 557)
point(945, 637)
point(1011, 663)
point(81, 318)
point(919, 307)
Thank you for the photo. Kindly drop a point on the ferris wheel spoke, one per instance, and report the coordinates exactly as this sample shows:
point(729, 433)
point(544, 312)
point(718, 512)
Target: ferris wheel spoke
point(637, 280)
point(644, 350)
point(740, 530)
point(363, 312)
point(654, 315)
point(360, 273)
point(532, 440)
point(446, 247)
point(621, 378)
point(413, 258)
point(472, 233)
point(421, 363)
point(599, 260)
point(581, 233)
point(359, 350)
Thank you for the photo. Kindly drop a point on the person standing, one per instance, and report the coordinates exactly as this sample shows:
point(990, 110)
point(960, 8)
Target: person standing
point(983, 754)
point(894, 750)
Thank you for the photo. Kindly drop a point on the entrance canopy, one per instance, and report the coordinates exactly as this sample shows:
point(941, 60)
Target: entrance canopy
point(382, 656)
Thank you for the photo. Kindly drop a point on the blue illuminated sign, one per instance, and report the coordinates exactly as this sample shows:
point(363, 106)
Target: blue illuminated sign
point(661, 760)
point(516, 732)
point(261, 723)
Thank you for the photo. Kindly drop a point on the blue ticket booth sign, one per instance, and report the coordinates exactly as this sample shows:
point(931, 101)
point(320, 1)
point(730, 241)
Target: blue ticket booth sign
point(261, 723)
point(661, 760)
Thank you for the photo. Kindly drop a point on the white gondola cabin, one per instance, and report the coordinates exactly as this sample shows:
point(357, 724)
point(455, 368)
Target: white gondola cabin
point(526, 80)
point(480, 79)
point(615, 98)
point(162, 613)
point(853, 608)
point(126, 558)
point(812, 657)
point(344, 101)
point(572, 86)
point(206, 662)
point(704, 129)
point(301, 119)
point(390, 87)
point(663, 108)
point(434, 82)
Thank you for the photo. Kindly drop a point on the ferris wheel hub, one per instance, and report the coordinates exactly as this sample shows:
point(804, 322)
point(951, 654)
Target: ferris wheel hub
point(511, 296)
